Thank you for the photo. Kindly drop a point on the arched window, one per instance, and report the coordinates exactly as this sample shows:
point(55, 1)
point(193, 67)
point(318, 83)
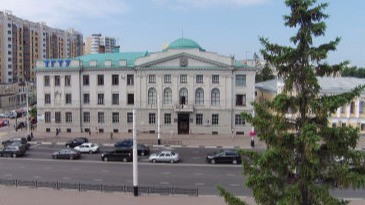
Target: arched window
point(215, 97)
point(199, 96)
point(183, 95)
point(167, 96)
point(352, 107)
point(152, 96)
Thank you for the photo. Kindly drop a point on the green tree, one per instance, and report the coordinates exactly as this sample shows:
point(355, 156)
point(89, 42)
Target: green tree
point(301, 150)
point(353, 72)
point(264, 74)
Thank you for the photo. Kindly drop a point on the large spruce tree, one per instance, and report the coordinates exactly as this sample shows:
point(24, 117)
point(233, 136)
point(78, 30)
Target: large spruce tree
point(305, 157)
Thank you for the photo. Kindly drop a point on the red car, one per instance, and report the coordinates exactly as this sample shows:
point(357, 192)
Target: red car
point(4, 122)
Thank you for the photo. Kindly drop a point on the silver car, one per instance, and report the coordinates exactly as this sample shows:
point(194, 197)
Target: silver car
point(164, 156)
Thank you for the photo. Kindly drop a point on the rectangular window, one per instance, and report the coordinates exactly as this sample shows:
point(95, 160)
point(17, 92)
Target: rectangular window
point(68, 117)
point(152, 118)
point(47, 117)
point(199, 119)
point(152, 78)
point(129, 117)
point(100, 99)
point(85, 80)
point(238, 120)
point(58, 117)
point(115, 117)
point(215, 78)
point(86, 98)
point(100, 79)
point(68, 98)
point(115, 79)
point(130, 80)
point(57, 80)
point(46, 81)
point(240, 100)
point(130, 99)
point(68, 80)
point(47, 98)
point(240, 80)
point(115, 99)
point(215, 119)
point(199, 79)
point(362, 127)
point(86, 117)
point(167, 78)
point(167, 118)
point(100, 117)
point(183, 78)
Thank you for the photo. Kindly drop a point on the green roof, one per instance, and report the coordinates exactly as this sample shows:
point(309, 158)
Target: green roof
point(129, 57)
point(184, 43)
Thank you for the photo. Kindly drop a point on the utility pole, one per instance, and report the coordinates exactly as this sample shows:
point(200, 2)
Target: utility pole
point(27, 101)
point(135, 156)
point(158, 121)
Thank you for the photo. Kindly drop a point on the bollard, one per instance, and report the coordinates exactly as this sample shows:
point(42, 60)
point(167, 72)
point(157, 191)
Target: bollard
point(252, 142)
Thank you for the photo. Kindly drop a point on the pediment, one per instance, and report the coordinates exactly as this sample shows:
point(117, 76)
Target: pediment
point(184, 61)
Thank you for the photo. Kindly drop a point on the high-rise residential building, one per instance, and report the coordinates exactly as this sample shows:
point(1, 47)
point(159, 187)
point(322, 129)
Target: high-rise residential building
point(22, 42)
point(96, 43)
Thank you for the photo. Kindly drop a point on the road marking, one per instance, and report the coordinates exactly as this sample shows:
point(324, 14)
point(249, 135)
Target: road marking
point(199, 184)
point(165, 183)
point(166, 173)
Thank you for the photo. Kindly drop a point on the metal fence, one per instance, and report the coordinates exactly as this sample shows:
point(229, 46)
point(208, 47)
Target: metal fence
point(100, 187)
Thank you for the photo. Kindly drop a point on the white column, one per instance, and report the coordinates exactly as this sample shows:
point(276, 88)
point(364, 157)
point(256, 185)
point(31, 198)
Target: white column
point(357, 109)
point(348, 109)
point(339, 112)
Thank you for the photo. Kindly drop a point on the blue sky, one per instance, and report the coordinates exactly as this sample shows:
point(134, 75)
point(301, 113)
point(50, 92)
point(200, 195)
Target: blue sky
point(228, 27)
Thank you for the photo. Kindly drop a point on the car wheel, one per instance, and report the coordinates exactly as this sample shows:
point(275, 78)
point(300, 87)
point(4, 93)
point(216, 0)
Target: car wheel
point(105, 159)
point(234, 161)
point(90, 152)
point(212, 161)
point(172, 161)
point(124, 159)
point(71, 157)
point(68, 146)
point(13, 155)
point(54, 157)
point(154, 161)
point(142, 153)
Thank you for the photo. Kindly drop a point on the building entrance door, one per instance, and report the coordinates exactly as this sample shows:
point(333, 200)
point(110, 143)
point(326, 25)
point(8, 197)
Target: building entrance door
point(183, 124)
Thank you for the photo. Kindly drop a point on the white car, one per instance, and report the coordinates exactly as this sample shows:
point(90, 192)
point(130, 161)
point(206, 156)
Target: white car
point(164, 156)
point(87, 148)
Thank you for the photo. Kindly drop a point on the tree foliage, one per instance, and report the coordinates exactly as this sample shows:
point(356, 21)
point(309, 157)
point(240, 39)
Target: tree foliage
point(264, 74)
point(353, 72)
point(298, 167)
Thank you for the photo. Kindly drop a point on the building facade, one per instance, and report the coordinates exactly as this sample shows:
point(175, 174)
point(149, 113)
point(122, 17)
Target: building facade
point(352, 114)
point(22, 42)
point(96, 43)
point(189, 89)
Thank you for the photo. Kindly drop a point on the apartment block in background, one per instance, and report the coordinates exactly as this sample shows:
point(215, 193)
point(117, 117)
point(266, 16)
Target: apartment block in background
point(96, 43)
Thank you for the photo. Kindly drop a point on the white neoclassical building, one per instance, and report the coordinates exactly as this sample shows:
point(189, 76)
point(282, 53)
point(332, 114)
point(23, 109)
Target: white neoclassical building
point(190, 89)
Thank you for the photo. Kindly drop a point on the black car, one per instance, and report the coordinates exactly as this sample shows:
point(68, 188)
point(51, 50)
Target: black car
point(224, 156)
point(66, 154)
point(128, 143)
point(20, 141)
point(12, 151)
point(76, 142)
point(121, 154)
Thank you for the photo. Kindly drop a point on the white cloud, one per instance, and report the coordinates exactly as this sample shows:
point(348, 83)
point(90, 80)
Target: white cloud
point(58, 13)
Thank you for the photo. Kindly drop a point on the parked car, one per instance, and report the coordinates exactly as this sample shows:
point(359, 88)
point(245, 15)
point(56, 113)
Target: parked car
point(87, 148)
point(4, 122)
point(128, 143)
point(12, 151)
point(17, 140)
point(76, 142)
point(121, 154)
point(164, 156)
point(224, 156)
point(66, 154)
